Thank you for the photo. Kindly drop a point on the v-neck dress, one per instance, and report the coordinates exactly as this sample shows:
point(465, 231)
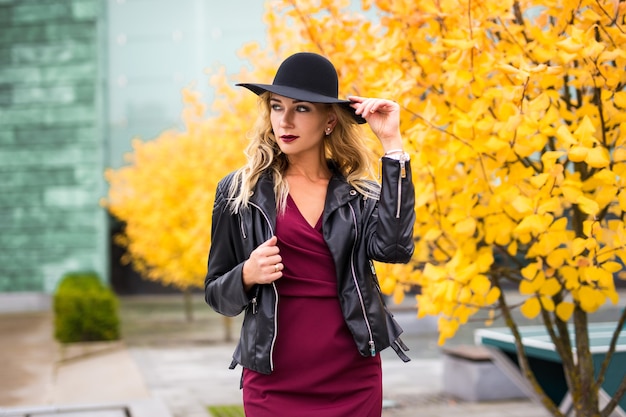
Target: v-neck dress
point(318, 371)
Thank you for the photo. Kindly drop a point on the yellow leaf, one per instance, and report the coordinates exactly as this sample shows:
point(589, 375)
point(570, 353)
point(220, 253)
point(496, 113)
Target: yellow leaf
point(539, 103)
point(492, 296)
point(551, 287)
point(606, 176)
point(432, 235)
point(577, 153)
point(571, 277)
point(570, 45)
point(547, 303)
point(534, 224)
point(564, 310)
point(571, 194)
point(539, 180)
point(509, 69)
point(484, 260)
point(585, 131)
point(531, 308)
point(612, 266)
point(531, 286)
point(388, 285)
point(605, 195)
point(480, 284)
point(549, 158)
point(587, 205)
point(619, 154)
point(557, 257)
point(460, 44)
point(465, 295)
point(603, 277)
point(447, 328)
point(566, 136)
point(434, 273)
point(619, 99)
point(398, 295)
point(530, 271)
point(522, 204)
point(526, 287)
point(589, 299)
point(578, 245)
point(590, 228)
point(466, 227)
point(598, 157)
point(552, 205)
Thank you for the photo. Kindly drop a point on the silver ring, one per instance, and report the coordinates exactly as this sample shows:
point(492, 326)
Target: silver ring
point(276, 268)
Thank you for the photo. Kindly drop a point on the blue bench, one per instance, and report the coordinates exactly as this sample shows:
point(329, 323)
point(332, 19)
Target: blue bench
point(546, 363)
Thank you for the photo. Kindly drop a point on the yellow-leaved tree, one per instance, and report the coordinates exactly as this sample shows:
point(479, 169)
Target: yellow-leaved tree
point(513, 112)
point(164, 195)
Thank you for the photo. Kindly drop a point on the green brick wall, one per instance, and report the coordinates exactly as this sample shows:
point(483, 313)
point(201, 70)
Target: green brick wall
point(52, 141)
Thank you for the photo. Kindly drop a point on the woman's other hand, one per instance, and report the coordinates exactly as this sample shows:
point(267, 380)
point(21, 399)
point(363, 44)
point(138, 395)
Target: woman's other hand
point(264, 264)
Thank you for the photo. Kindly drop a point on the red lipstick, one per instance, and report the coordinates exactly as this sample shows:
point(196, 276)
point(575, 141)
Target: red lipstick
point(288, 138)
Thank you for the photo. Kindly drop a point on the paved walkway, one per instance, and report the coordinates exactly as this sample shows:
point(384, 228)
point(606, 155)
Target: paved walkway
point(184, 367)
point(169, 367)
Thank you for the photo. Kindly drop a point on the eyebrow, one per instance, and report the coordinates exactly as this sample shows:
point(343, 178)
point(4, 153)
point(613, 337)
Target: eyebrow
point(294, 101)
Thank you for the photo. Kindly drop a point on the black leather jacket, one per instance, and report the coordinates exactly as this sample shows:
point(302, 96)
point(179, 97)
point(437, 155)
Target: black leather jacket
point(356, 229)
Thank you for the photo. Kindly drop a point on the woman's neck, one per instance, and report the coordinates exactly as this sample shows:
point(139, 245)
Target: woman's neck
point(312, 170)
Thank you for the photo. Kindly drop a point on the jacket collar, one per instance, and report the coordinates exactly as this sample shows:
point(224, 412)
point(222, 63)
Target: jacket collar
point(263, 195)
point(339, 191)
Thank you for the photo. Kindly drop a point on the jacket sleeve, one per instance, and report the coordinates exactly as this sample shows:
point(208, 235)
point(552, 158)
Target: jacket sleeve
point(389, 228)
point(223, 285)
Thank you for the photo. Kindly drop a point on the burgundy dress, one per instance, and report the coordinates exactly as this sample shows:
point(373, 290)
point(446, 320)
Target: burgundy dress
point(318, 370)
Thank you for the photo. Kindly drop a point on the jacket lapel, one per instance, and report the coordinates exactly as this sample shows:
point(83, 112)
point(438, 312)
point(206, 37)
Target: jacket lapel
point(263, 196)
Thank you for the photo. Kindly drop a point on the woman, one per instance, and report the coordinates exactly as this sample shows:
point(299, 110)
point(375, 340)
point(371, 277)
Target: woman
point(293, 238)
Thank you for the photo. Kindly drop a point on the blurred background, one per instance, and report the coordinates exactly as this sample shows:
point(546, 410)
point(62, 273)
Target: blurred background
point(79, 79)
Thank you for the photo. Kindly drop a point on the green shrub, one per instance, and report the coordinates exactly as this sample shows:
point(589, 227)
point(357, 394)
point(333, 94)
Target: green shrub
point(85, 309)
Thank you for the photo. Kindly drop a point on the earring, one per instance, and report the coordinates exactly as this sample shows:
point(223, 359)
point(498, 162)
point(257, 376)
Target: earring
point(328, 131)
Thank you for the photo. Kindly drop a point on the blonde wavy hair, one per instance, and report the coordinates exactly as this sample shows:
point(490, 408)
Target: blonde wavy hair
point(344, 146)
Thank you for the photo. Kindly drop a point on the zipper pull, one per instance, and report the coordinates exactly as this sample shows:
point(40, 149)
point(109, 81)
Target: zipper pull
point(372, 348)
point(254, 306)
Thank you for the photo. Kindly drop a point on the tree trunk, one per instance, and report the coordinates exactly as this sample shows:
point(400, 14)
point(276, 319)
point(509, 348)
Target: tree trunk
point(524, 364)
point(228, 334)
point(585, 393)
point(188, 302)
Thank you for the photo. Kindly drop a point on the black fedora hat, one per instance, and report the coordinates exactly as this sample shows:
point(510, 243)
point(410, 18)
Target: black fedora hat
point(308, 77)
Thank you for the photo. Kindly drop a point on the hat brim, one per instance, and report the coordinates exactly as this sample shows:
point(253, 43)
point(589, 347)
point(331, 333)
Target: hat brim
point(304, 95)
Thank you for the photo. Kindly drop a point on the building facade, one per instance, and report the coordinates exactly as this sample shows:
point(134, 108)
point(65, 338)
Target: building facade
point(52, 142)
point(79, 79)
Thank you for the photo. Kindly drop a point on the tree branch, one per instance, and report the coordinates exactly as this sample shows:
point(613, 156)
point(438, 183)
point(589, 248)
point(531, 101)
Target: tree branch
point(522, 358)
point(584, 397)
point(621, 390)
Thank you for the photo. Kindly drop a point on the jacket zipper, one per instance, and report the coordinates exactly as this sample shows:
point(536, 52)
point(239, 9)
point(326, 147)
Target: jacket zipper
point(402, 175)
point(254, 299)
point(371, 344)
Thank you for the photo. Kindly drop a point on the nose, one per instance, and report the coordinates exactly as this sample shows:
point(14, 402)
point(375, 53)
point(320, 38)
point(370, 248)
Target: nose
point(287, 118)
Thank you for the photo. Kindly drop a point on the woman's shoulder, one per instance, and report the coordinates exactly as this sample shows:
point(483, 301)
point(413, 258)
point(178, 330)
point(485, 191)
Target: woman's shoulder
point(367, 187)
point(370, 190)
point(226, 181)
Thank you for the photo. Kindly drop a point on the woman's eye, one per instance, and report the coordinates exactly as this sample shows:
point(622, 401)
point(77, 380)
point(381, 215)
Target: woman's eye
point(302, 108)
point(275, 107)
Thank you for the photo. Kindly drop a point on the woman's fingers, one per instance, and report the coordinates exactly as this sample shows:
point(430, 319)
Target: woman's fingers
point(264, 265)
point(365, 106)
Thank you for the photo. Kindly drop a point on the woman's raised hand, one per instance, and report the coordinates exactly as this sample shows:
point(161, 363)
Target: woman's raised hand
point(383, 117)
